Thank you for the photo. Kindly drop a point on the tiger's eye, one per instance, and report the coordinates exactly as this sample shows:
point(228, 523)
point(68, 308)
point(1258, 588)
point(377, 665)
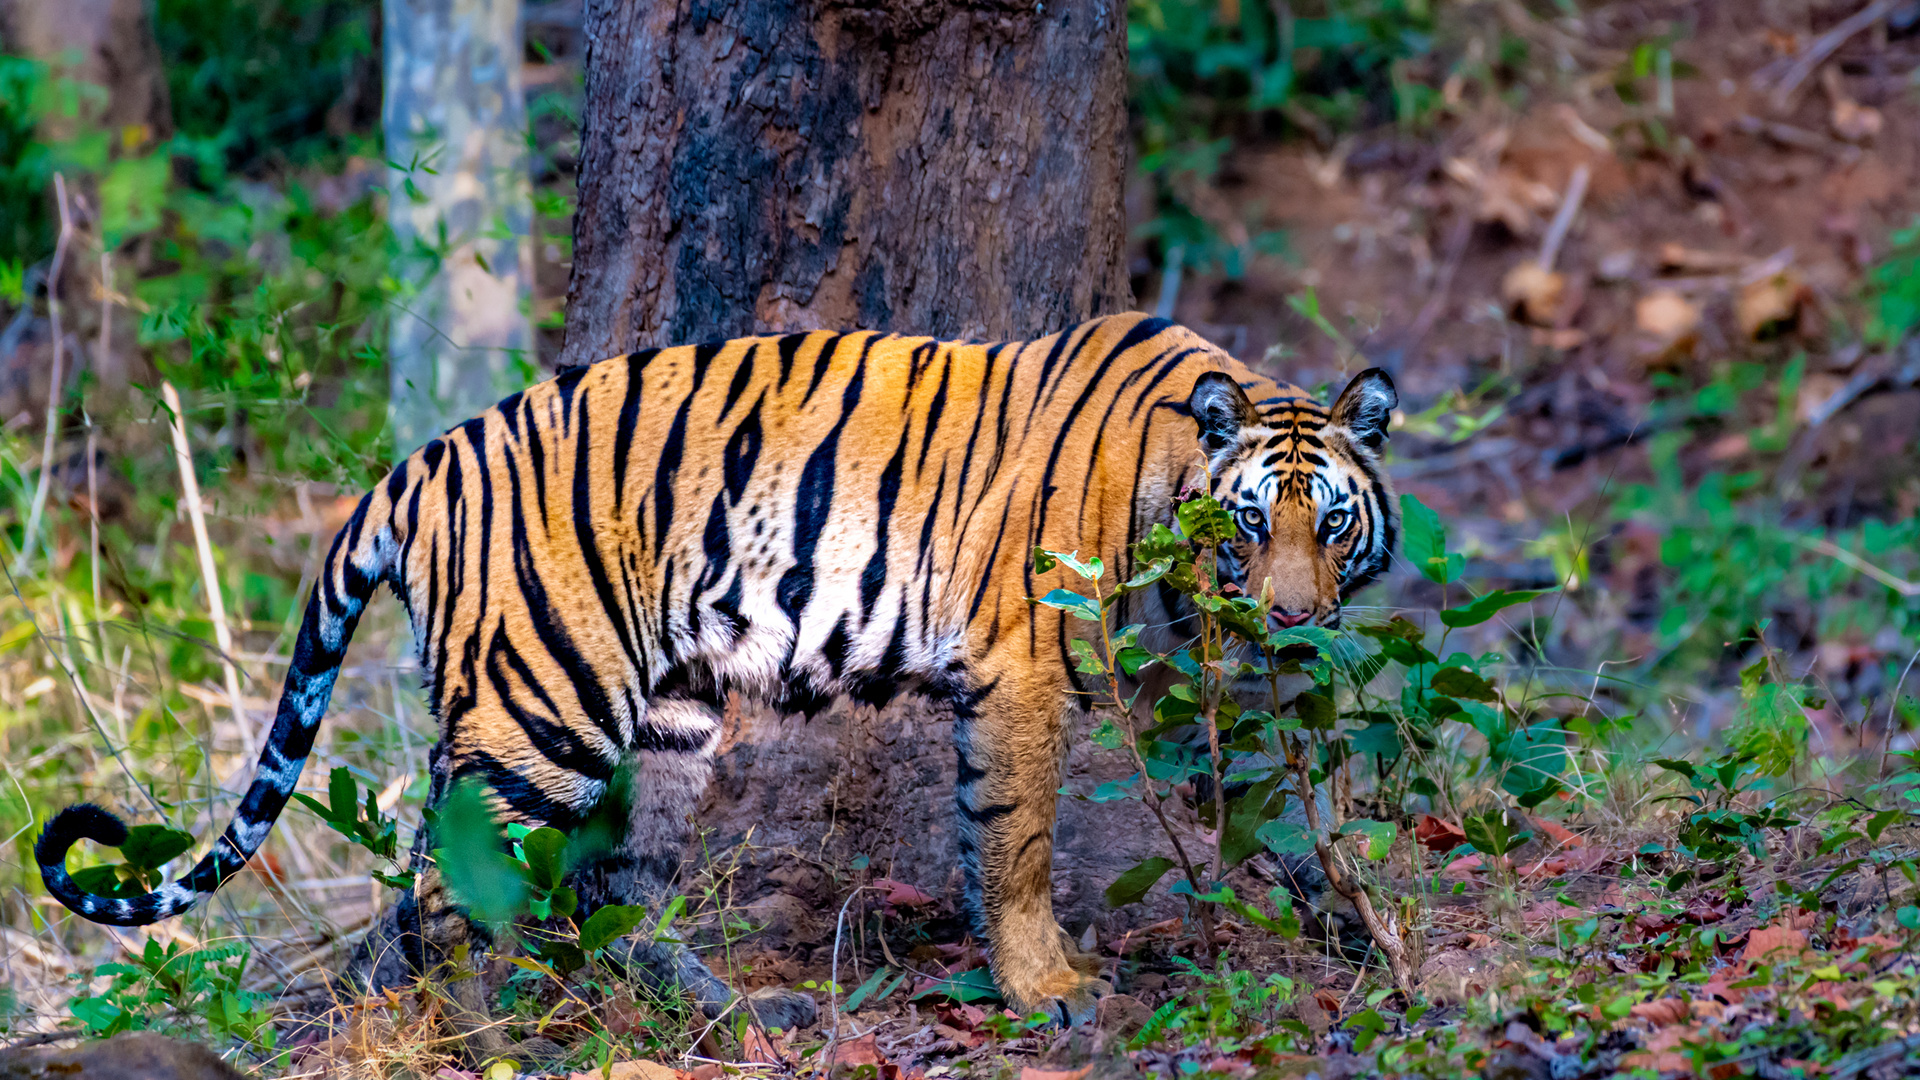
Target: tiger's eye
point(1335, 521)
point(1251, 519)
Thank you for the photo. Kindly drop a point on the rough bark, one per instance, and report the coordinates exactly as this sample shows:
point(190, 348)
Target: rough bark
point(455, 117)
point(946, 168)
point(936, 167)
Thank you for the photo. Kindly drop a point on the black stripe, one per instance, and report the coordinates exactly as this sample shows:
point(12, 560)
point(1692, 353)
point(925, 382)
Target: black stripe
point(874, 577)
point(743, 452)
point(742, 374)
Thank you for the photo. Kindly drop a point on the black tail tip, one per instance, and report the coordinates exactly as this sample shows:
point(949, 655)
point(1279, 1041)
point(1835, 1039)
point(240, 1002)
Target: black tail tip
point(81, 821)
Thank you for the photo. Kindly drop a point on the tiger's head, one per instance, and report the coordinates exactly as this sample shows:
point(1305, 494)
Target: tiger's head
point(1312, 509)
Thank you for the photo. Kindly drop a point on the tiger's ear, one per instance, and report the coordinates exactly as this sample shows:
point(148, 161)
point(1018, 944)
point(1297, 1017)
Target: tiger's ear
point(1221, 409)
point(1365, 407)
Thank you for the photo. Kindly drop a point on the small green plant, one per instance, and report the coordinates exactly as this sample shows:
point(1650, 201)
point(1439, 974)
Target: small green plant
point(364, 825)
point(171, 987)
point(1301, 747)
point(146, 850)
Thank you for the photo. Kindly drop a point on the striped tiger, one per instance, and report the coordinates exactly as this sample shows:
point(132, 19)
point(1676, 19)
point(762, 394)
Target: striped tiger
point(592, 565)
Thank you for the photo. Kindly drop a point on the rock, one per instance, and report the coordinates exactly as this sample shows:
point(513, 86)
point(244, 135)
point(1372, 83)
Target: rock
point(136, 1055)
point(1121, 1015)
point(1454, 975)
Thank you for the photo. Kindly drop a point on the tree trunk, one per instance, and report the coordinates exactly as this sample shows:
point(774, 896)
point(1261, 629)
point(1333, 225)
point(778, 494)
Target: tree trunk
point(111, 45)
point(928, 167)
point(107, 44)
point(934, 167)
point(455, 118)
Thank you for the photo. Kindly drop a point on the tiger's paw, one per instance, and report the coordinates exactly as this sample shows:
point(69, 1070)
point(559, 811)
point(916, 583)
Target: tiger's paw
point(1068, 998)
point(789, 1010)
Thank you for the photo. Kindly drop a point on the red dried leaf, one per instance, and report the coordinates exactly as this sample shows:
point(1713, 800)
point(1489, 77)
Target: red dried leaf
point(1436, 834)
point(1558, 833)
point(1770, 943)
point(901, 894)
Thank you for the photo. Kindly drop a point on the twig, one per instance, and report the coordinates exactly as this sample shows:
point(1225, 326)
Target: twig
point(209, 574)
point(833, 981)
point(32, 535)
point(1893, 713)
point(1835, 551)
point(1563, 218)
point(1826, 45)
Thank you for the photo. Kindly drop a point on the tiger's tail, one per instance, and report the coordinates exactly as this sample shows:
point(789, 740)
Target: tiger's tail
point(363, 555)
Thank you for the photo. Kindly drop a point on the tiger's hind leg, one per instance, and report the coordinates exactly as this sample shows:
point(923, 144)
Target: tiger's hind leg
point(668, 779)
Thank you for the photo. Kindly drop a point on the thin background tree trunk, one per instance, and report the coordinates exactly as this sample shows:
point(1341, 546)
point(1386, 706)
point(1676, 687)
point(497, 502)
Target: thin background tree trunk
point(933, 167)
point(108, 44)
point(455, 117)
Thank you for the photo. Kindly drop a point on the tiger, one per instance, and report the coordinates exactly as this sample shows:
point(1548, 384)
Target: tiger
point(593, 565)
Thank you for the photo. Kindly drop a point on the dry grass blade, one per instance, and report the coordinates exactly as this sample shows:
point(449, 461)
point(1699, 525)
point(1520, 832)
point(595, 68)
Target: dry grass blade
point(32, 533)
point(209, 573)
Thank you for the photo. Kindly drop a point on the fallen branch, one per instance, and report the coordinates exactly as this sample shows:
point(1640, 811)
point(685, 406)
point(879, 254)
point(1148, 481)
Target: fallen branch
point(1824, 46)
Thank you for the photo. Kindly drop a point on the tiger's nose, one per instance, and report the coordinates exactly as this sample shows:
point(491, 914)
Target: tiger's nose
point(1280, 620)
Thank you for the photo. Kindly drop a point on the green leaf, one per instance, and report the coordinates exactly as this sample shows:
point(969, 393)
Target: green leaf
point(860, 992)
point(1132, 885)
point(1458, 682)
point(1490, 832)
point(1486, 607)
point(1424, 539)
point(1378, 836)
point(1377, 739)
point(608, 924)
point(1044, 560)
point(974, 985)
point(1262, 803)
point(1285, 838)
point(344, 794)
point(545, 850)
point(149, 847)
point(1147, 575)
point(472, 858)
point(1072, 603)
point(1316, 711)
point(1087, 658)
point(1204, 521)
point(107, 881)
point(131, 196)
point(1684, 768)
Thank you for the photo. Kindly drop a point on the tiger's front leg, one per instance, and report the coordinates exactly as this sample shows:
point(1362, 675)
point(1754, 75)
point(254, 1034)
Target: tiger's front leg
point(1011, 742)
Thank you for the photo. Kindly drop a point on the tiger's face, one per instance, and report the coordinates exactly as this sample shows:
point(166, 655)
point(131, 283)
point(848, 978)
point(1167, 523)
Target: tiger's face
point(1313, 514)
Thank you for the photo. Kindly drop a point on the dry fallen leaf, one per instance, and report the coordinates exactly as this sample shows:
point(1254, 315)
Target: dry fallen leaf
point(1679, 258)
point(1774, 942)
point(901, 894)
point(1850, 120)
point(632, 1070)
point(1670, 323)
point(1662, 1012)
point(1534, 293)
point(1438, 834)
point(1768, 303)
point(1031, 1073)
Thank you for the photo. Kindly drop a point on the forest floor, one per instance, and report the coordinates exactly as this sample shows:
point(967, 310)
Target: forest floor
point(1706, 309)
